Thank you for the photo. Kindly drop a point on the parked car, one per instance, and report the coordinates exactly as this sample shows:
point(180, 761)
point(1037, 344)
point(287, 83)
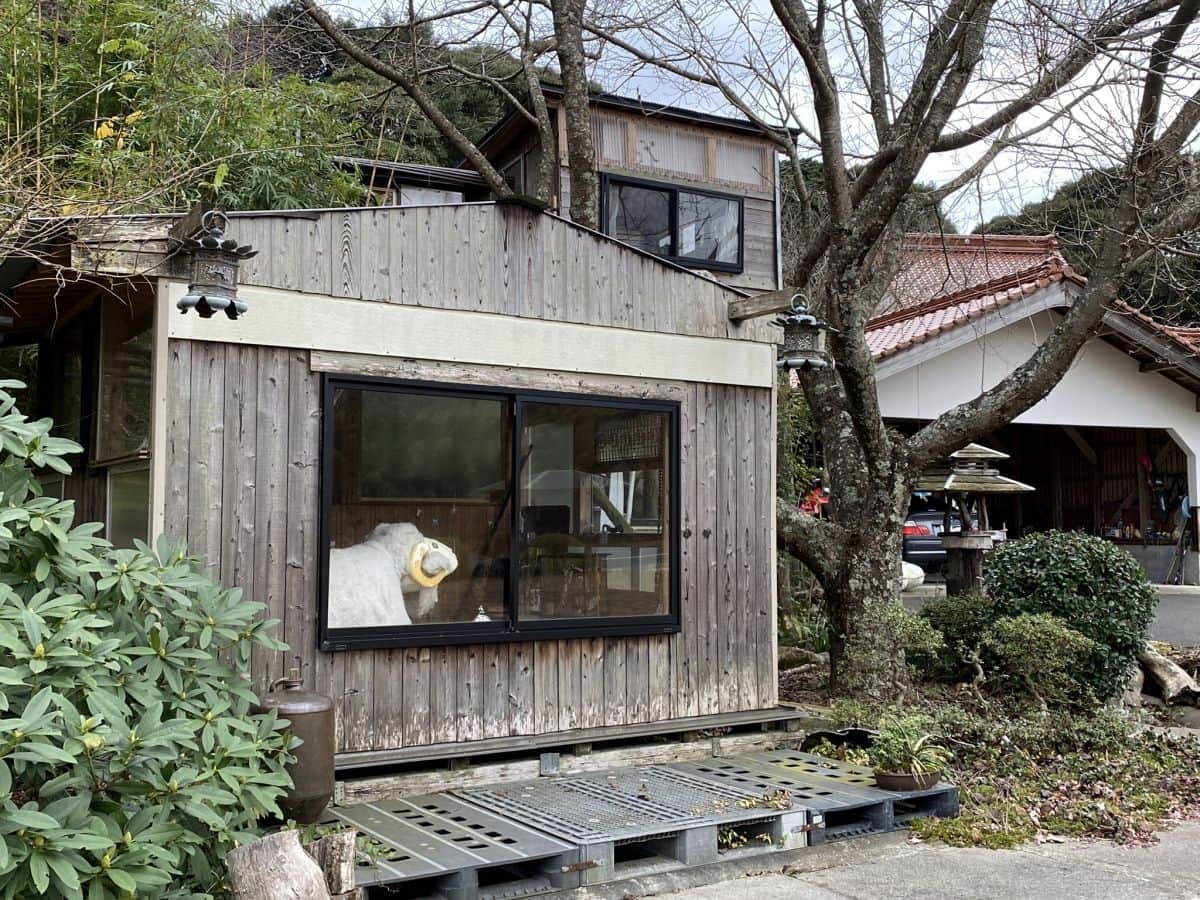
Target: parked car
point(922, 536)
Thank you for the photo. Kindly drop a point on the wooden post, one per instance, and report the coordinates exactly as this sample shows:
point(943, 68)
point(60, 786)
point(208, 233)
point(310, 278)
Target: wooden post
point(1143, 491)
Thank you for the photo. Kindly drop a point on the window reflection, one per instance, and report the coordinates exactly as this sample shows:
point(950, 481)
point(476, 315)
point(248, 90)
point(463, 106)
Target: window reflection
point(594, 529)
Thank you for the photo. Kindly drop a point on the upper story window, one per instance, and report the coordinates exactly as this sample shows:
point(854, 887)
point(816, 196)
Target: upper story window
point(695, 228)
point(463, 516)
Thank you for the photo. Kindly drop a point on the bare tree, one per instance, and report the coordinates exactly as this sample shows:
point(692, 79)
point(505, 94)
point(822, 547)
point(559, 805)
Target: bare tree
point(882, 92)
point(886, 90)
point(530, 35)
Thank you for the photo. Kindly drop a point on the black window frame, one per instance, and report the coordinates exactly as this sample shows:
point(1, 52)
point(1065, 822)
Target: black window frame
point(511, 628)
point(675, 189)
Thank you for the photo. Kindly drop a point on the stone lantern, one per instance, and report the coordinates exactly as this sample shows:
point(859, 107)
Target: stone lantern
point(965, 485)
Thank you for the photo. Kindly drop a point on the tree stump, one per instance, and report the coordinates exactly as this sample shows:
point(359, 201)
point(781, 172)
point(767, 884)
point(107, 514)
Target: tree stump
point(275, 867)
point(335, 854)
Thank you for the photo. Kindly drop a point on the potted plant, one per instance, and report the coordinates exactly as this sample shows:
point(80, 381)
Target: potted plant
point(906, 756)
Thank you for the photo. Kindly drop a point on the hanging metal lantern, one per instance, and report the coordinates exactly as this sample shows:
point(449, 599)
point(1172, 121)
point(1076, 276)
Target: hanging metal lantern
point(215, 260)
point(803, 339)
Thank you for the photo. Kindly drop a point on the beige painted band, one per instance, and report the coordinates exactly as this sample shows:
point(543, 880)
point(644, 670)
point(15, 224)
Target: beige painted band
point(321, 322)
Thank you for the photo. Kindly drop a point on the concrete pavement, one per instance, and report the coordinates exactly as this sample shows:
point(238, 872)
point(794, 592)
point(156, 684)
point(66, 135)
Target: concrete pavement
point(892, 869)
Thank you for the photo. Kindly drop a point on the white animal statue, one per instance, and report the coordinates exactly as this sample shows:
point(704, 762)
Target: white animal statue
point(912, 576)
point(368, 581)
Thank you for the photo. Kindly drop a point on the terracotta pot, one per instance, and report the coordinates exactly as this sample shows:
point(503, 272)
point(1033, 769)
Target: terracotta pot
point(907, 781)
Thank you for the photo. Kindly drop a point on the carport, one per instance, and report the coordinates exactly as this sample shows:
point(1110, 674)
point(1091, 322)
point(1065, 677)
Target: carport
point(1112, 450)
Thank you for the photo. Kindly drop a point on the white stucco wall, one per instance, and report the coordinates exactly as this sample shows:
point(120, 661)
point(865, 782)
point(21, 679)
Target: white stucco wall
point(1103, 387)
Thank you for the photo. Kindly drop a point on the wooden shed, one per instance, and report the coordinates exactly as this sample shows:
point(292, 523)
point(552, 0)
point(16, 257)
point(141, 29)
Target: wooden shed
point(559, 447)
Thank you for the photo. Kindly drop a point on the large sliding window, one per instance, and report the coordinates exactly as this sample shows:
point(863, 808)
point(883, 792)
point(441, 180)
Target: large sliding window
point(457, 516)
point(695, 228)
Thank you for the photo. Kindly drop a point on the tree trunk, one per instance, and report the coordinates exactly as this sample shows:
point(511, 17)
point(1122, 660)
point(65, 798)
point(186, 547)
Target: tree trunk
point(576, 110)
point(868, 570)
point(275, 867)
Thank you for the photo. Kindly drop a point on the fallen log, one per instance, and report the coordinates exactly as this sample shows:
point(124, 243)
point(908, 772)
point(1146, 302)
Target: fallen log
point(792, 657)
point(1176, 685)
point(275, 867)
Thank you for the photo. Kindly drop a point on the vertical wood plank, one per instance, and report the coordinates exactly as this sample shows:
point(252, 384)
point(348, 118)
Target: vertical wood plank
point(358, 700)
point(238, 487)
point(768, 677)
point(708, 664)
point(402, 254)
point(443, 695)
point(418, 670)
point(388, 720)
point(748, 579)
point(304, 449)
point(686, 647)
point(270, 490)
point(545, 686)
point(207, 426)
point(637, 678)
point(428, 269)
point(660, 690)
point(346, 253)
point(521, 693)
point(179, 432)
point(458, 260)
point(306, 267)
point(482, 294)
point(471, 690)
point(616, 688)
point(375, 254)
point(591, 683)
point(729, 612)
point(495, 690)
point(569, 684)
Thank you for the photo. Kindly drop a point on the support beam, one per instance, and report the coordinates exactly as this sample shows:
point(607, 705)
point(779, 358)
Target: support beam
point(1081, 442)
point(1159, 365)
point(761, 304)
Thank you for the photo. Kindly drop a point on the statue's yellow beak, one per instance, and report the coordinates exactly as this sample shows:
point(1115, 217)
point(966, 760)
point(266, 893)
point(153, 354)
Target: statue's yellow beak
point(419, 551)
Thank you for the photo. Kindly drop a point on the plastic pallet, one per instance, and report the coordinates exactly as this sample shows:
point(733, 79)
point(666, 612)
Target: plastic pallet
point(941, 800)
point(438, 846)
point(846, 810)
point(651, 818)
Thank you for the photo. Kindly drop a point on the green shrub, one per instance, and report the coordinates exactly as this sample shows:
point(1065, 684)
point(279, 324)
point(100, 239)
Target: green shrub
point(1090, 583)
point(130, 763)
point(1039, 655)
point(906, 745)
point(962, 622)
point(876, 664)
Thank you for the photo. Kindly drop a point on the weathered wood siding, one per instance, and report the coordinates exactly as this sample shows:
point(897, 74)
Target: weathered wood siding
point(242, 471)
point(485, 257)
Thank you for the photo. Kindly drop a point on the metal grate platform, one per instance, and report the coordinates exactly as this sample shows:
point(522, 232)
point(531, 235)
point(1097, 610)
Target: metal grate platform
point(817, 766)
point(521, 839)
point(581, 810)
point(848, 810)
point(437, 834)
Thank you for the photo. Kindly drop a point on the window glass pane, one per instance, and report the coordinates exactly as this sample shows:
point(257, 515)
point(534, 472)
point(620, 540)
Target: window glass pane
point(128, 506)
point(708, 228)
point(641, 217)
point(594, 512)
point(125, 367)
point(65, 386)
point(419, 530)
